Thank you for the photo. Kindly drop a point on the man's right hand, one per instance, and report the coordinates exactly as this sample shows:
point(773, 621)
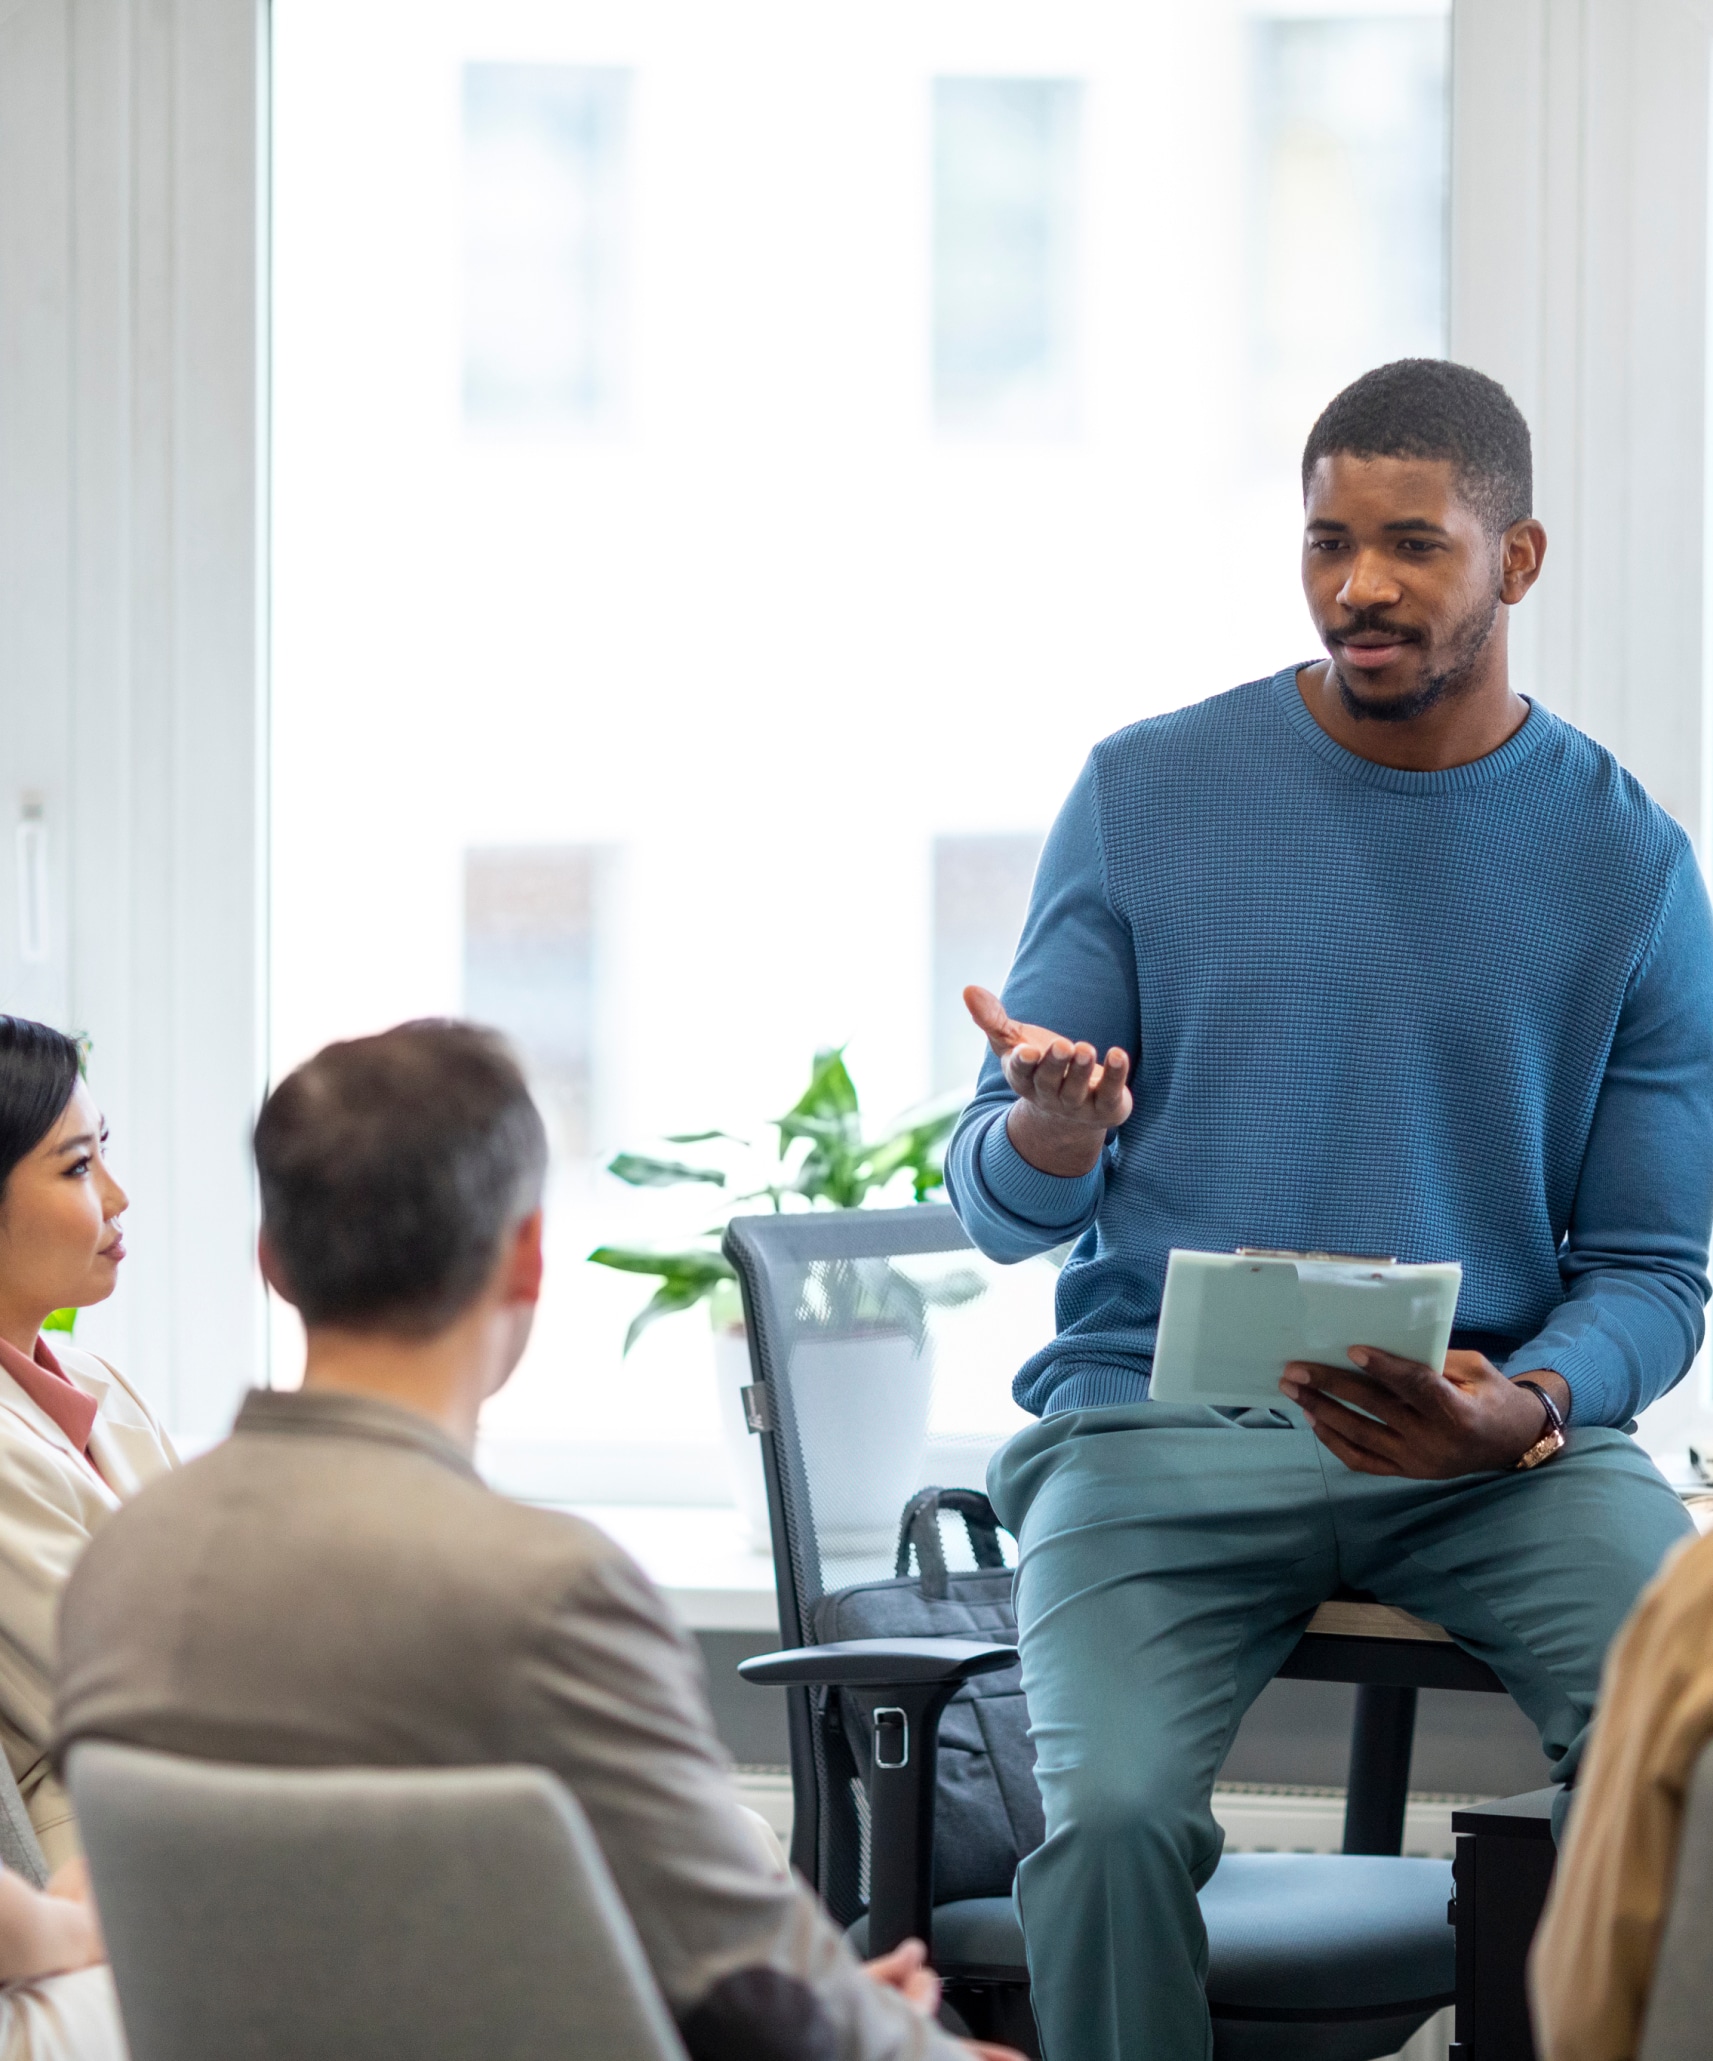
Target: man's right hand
point(1068, 1097)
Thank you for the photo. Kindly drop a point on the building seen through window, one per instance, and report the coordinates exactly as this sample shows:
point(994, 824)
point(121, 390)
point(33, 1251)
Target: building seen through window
point(1350, 186)
point(981, 895)
point(544, 258)
point(1005, 229)
point(776, 448)
point(531, 963)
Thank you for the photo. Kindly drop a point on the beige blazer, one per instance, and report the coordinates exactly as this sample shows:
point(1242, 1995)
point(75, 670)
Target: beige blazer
point(335, 1587)
point(52, 1502)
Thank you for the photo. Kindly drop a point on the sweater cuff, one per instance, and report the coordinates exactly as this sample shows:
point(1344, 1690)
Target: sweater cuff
point(1051, 1202)
point(1591, 1367)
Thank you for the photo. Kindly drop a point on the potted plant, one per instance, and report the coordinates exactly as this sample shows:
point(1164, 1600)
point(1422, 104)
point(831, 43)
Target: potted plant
point(864, 1392)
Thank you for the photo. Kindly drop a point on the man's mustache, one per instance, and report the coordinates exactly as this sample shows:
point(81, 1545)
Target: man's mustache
point(1368, 623)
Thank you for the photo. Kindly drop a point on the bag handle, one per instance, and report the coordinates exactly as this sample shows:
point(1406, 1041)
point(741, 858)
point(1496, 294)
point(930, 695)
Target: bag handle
point(919, 1527)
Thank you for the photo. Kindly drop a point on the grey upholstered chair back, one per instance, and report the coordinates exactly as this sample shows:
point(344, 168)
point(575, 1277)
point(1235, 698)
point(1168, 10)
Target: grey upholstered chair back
point(402, 1915)
point(1680, 2009)
point(19, 1849)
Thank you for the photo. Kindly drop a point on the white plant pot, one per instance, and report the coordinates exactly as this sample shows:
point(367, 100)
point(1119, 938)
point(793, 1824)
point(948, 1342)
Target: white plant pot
point(862, 1421)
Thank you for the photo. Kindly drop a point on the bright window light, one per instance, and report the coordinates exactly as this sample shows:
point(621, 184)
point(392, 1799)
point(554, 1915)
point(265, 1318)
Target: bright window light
point(1005, 220)
point(544, 253)
point(729, 465)
point(1348, 206)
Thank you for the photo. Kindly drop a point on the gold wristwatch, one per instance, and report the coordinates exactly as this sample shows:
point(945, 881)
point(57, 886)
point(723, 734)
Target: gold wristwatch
point(1552, 1439)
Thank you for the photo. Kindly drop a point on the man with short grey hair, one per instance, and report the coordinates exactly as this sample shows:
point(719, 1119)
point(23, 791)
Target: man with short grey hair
point(334, 1586)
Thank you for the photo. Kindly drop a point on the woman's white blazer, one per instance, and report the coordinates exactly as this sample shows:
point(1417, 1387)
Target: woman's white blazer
point(52, 1501)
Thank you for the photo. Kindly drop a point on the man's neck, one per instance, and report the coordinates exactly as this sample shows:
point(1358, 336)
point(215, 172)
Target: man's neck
point(1470, 722)
point(444, 1378)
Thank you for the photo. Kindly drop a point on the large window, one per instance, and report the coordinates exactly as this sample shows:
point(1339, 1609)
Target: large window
point(730, 464)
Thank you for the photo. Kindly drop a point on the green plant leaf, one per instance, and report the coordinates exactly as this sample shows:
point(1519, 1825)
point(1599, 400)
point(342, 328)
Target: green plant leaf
point(666, 1301)
point(686, 1278)
point(849, 1297)
point(703, 1137)
point(827, 1109)
point(692, 1264)
point(643, 1170)
point(915, 1144)
point(831, 1091)
point(60, 1320)
point(824, 1130)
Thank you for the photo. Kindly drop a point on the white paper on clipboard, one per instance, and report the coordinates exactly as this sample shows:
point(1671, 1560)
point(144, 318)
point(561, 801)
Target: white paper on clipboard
point(1229, 1321)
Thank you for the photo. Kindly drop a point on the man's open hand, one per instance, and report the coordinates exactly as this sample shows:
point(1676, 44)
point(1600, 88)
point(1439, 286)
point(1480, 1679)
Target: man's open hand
point(1432, 1427)
point(1068, 1097)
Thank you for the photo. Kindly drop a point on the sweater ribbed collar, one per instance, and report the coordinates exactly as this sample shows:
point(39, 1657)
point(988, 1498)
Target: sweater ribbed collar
point(1393, 779)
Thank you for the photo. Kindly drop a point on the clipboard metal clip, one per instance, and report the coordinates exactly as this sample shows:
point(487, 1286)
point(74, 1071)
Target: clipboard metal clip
point(1352, 1259)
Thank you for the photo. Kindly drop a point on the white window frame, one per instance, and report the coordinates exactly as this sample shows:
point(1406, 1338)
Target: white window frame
point(133, 538)
point(133, 325)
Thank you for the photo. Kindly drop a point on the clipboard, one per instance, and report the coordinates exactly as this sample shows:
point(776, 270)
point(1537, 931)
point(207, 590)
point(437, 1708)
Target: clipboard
point(1229, 1321)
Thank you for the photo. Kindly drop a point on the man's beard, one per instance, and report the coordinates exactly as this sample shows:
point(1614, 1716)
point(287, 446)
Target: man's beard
point(1463, 654)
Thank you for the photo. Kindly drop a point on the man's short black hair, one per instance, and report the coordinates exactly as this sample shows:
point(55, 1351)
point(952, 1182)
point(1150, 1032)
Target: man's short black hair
point(1430, 408)
point(392, 1169)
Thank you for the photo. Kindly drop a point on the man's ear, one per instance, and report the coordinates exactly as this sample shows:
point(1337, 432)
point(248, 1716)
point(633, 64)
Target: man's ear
point(523, 1264)
point(272, 1272)
point(1522, 551)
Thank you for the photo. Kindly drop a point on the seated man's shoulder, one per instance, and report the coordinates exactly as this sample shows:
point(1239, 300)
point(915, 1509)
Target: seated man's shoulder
point(267, 1510)
point(569, 1560)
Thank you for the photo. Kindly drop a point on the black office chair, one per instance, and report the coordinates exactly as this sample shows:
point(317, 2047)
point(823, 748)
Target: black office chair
point(878, 1341)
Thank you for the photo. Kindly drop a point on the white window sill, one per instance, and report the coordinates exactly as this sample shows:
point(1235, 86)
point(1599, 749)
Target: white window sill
point(699, 1556)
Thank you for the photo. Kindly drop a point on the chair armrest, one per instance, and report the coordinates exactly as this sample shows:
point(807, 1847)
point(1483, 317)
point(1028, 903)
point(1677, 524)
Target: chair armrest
point(902, 1685)
point(879, 1664)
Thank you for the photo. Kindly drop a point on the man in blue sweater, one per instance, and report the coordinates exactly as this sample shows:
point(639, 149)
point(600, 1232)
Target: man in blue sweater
point(1372, 956)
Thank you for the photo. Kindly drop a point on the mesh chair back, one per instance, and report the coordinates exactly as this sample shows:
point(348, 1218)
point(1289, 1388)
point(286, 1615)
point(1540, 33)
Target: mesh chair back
point(885, 1348)
point(265, 1914)
point(888, 1346)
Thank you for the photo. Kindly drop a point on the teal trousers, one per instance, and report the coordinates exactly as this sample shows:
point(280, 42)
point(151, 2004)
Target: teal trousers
point(1169, 1558)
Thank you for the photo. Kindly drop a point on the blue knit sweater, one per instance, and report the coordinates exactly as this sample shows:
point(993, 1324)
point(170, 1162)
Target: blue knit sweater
point(1464, 1015)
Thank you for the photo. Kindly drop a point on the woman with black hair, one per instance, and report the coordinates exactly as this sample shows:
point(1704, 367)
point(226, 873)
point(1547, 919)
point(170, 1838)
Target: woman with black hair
point(75, 1439)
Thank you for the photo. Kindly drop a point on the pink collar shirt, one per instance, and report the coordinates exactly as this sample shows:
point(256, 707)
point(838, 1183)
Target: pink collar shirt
point(50, 1388)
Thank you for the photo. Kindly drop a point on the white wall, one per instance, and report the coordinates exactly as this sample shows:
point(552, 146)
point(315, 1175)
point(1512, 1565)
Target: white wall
point(130, 625)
